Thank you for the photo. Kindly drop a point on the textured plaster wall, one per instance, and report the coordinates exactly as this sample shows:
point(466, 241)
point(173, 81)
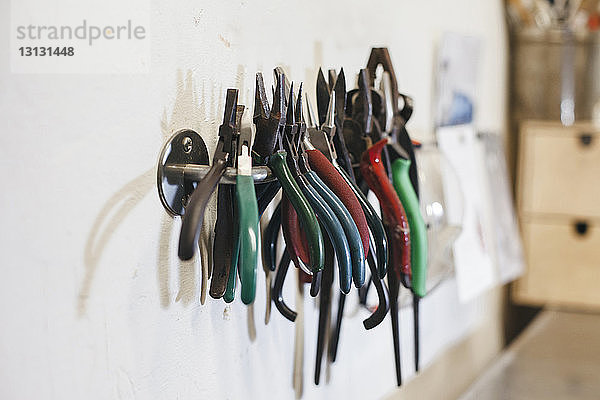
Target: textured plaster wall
point(93, 301)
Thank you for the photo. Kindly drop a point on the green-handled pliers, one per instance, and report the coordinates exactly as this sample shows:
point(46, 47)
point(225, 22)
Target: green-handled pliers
point(403, 172)
point(246, 241)
point(275, 157)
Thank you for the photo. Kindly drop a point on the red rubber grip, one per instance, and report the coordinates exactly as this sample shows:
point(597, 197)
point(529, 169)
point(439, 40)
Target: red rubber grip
point(294, 238)
point(303, 277)
point(332, 178)
point(374, 174)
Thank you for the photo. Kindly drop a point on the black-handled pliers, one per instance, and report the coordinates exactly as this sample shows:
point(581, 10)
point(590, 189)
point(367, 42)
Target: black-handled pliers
point(225, 150)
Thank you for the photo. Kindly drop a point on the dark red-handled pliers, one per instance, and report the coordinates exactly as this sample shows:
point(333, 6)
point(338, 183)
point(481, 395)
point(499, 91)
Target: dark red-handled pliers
point(394, 217)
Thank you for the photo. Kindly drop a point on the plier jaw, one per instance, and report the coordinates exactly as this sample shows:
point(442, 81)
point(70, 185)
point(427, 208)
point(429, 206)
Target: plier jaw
point(314, 136)
point(329, 127)
point(227, 130)
point(393, 121)
point(294, 133)
point(363, 108)
point(244, 156)
point(301, 141)
point(290, 134)
point(269, 122)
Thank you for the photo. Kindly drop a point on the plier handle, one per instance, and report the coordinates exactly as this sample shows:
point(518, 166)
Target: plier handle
point(246, 241)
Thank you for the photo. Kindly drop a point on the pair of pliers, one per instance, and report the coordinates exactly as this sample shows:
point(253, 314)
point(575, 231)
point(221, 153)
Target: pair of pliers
point(399, 160)
point(358, 126)
point(269, 122)
point(335, 220)
point(404, 176)
point(236, 233)
point(225, 251)
point(331, 97)
point(246, 241)
point(396, 222)
point(360, 134)
point(271, 125)
point(333, 215)
point(348, 210)
point(193, 217)
point(320, 146)
point(329, 201)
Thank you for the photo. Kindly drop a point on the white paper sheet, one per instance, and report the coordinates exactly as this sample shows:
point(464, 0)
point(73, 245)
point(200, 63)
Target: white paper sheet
point(507, 238)
point(473, 250)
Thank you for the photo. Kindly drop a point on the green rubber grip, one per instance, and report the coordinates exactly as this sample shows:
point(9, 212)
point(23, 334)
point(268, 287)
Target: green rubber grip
point(247, 213)
point(418, 230)
point(229, 294)
point(306, 215)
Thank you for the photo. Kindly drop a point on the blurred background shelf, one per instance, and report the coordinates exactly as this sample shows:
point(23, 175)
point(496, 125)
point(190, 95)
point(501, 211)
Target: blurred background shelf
point(558, 188)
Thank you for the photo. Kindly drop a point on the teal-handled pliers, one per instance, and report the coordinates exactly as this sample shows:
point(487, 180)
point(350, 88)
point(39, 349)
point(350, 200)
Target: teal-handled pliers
point(331, 169)
point(246, 240)
point(321, 199)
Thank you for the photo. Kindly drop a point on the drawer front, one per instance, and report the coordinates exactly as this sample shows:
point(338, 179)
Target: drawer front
point(560, 171)
point(563, 267)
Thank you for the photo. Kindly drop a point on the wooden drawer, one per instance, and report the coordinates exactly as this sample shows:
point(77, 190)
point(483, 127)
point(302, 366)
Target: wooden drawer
point(559, 170)
point(563, 265)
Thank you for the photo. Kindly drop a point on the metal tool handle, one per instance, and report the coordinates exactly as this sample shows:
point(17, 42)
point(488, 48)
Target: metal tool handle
point(308, 219)
point(265, 193)
point(382, 294)
point(324, 307)
point(418, 230)
point(350, 230)
point(394, 290)
point(269, 243)
point(374, 174)
point(276, 292)
point(332, 225)
point(194, 212)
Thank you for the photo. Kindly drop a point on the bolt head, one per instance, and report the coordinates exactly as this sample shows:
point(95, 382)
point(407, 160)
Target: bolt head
point(185, 199)
point(187, 144)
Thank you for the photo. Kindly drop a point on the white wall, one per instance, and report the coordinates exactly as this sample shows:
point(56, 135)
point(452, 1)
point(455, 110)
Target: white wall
point(90, 280)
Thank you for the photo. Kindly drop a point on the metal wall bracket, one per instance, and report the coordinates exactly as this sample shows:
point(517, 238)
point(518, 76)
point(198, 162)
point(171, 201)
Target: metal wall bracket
point(185, 147)
point(183, 163)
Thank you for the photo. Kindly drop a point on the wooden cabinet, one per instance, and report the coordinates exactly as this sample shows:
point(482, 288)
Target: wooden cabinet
point(558, 199)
